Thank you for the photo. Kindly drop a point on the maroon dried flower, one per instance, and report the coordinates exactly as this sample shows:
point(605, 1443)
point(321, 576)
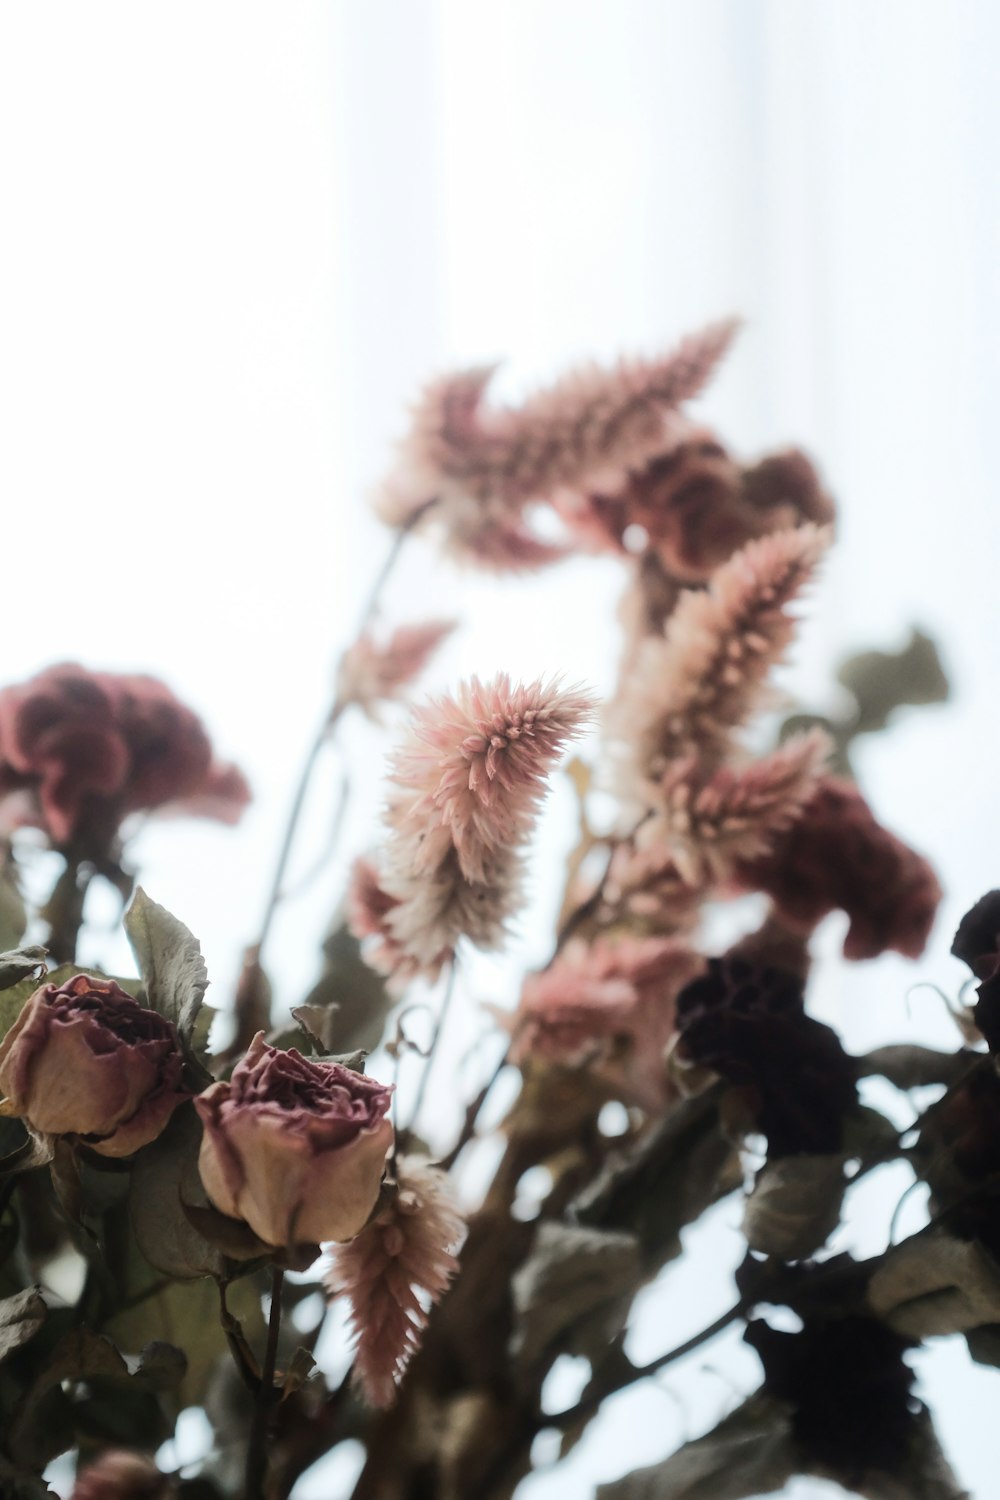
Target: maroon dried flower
point(977, 943)
point(79, 750)
point(294, 1148)
point(837, 857)
point(119, 1475)
point(84, 1059)
point(749, 1025)
point(609, 1006)
point(398, 1264)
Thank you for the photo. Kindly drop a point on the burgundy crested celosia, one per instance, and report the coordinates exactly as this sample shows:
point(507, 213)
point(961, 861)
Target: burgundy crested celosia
point(294, 1148)
point(691, 688)
point(837, 857)
point(372, 673)
point(607, 1006)
point(466, 788)
point(696, 505)
point(84, 1059)
point(80, 750)
point(401, 1262)
point(120, 1475)
point(482, 465)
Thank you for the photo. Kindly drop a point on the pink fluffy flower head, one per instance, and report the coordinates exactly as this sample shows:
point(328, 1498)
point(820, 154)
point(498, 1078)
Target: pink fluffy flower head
point(371, 673)
point(468, 783)
point(402, 1261)
point(609, 1007)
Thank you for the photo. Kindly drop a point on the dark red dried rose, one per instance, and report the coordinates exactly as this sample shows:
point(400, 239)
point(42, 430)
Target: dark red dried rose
point(836, 856)
point(749, 1025)
point(85, 1059)
point(79, 750)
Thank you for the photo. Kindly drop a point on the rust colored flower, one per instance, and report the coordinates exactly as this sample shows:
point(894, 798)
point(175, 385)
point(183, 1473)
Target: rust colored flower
point(84, 1059)
point(80, 750)
point(294, 1148)
point(837, 857)
point(609, 1007)
point(396, 1266)
point(749, 1025)
point(120, 1475)
point(468, 783)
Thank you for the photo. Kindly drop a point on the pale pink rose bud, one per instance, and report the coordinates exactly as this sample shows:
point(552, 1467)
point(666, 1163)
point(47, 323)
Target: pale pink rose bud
point(294, 1148)
point(118, 1475)
point(85, 1059)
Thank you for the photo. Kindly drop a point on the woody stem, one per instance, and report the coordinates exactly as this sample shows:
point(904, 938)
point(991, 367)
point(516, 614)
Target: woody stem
point(257, 1446)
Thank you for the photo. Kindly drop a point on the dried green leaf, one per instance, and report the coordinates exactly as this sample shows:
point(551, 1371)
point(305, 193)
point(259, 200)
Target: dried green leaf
point(751, 1452)
point(795, 1205)
point(300, 1368)
point(169, 960)
point(164, 1179)
point(20, 964)
point(352, 995)
point(572, 1291)
point(882, 681)
point(43, 1423)
point(934, 1283)
point(21, 1316)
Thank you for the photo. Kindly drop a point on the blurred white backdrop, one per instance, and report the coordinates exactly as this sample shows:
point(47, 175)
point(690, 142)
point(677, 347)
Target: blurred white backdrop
point(239, 235)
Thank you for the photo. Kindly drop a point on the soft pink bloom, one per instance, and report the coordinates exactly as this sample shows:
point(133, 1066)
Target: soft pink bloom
point(370, 673)
point(689, 690)
point(295, 1148)
point(120, 1475)
point(397, 1266)
point(645, 882)
point(837, 856)
point(85, 1059)
point(608, 1007)
point(80, 750)
point(468, 783)
point(482, 465)
point(733, 814)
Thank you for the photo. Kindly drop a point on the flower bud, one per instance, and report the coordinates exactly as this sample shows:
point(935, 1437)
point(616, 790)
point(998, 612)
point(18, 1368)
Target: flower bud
point(85, 1059)
point(294, 1148)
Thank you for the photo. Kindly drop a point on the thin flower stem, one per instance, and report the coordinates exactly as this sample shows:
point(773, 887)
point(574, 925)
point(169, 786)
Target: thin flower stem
point(432, 1049)
point(472, 1114)
point(257, 1446)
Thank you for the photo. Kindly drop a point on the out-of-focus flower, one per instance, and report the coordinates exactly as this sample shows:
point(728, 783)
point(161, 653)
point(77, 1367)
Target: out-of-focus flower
point(644, 881)
point(224, 795)
point(749, 1025)
point(696, 505)
point(120, 1475)
point(689, 690)
point(397, 1266)
point(608, 1006)
point(837, 857)
point(977, 943)
point(481, 465)
point(294, 1148)
point(80, 750)
point(371, 674)
point(85, 1059)
point(468, 782)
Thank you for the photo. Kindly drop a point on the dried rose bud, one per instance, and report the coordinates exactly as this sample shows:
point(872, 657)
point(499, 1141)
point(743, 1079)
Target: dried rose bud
point(294, 1148)
point(118, 1475)
point(85, 1059)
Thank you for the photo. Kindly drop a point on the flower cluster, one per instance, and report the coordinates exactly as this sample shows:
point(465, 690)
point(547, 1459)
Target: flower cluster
point(80, 750)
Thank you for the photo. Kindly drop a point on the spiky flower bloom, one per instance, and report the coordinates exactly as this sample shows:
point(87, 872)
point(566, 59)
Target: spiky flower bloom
point(397, 1266)
point(734, 814)
point(371, 674)
point(608, 1006)
point(468, 783)
point(482, 465)
point(690, 689)
point(836, 856)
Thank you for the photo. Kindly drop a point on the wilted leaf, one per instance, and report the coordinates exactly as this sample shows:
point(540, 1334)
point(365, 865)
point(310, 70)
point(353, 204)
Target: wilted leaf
point(795, 1205)
point(20, 964)
point(882, 681)
point(353, 996)
point(169, 960)
point(572, 1276)
point(911, 1067)
point(21, 1316)
point(164, 1178)
point(300, 1367)
point(934, 1283)
point(750, 1453)
point(160, 1366)
point(42, 1424)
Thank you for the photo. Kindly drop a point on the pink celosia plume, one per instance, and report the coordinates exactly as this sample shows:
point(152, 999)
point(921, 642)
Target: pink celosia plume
point(481, 464)
point(467, 784)
point(371, 673)
point(397, 1266)
point(690, 689)
point(608, 1006)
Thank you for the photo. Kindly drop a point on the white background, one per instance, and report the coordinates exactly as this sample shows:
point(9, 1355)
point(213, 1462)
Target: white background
point(237, 237)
